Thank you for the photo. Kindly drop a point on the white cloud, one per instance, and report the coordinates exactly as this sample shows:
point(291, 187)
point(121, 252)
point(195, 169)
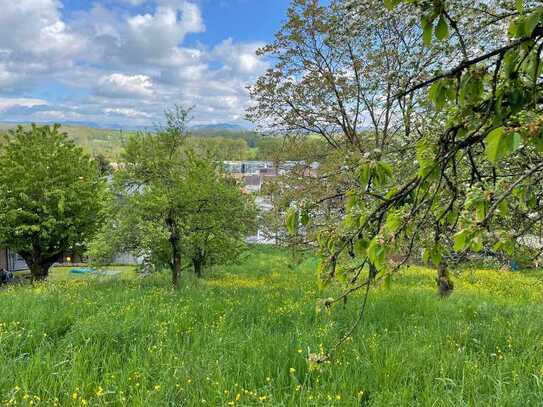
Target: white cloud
point(158, 35)
point(125, 86)
point(241, 58)
point(6, 76)
point(117, 66)
point(35, 27)
point(128, 112)
point(7, 103)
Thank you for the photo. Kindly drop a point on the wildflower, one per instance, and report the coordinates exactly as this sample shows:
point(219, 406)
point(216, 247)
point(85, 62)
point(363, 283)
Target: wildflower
point(74, 396)
point(157, 387)
point(292, 370)
point(99, 391)
point(262, 398)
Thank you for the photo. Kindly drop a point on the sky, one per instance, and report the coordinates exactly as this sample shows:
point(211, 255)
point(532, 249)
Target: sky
point(122, 62)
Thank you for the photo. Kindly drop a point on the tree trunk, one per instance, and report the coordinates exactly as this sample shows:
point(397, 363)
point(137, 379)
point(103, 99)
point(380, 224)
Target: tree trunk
point(445, 285)
point(198, 269)
point(39, 268)
point(176, 263)
point(198, 263)
point(175, 241)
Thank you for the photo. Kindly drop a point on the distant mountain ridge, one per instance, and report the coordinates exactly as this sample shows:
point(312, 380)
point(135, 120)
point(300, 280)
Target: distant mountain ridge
point(108, 141)
point(219, 127)
point(211, 127)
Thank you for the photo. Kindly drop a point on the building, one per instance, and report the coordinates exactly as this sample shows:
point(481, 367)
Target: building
point(11, 261)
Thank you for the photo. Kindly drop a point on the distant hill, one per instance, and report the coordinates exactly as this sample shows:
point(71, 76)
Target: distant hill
point(219, 127)
point(108, 142)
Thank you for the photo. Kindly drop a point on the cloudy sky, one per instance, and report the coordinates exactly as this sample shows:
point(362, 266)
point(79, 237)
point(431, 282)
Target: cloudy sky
point(121, 62)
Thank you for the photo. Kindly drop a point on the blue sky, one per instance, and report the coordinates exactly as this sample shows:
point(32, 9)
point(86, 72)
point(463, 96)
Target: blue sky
point(121, 62)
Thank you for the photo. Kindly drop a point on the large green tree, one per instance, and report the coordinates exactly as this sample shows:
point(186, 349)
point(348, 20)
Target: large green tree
point(50, 196)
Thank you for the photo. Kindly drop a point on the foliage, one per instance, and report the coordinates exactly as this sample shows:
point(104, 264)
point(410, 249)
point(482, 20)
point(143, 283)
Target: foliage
point(136, 342)
point(50, 196)
point(171, 203)
point(220, 148)
point(455, 162)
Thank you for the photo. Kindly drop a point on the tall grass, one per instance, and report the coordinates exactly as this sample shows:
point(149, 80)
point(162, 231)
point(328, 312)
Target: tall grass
point(242, 337)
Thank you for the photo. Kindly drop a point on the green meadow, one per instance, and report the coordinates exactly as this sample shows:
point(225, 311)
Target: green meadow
point(242, 336)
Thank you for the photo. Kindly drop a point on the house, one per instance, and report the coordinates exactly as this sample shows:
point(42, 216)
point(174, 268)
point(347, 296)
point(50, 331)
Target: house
point(11, 261)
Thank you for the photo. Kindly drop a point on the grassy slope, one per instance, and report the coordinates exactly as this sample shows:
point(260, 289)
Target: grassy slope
point(241, 337)
point(94, 141)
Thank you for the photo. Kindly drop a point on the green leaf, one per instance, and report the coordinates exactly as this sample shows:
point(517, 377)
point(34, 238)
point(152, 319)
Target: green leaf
point(481, 210)
point(376, 254)
point(382, 172)
point(471, 89)
point(476, 244)
point(292, 221)
point(499, 144)
point(391, 4)
point(461, 240)
point(393, 222)
point(510, 61)
point(513, 29)
point(442, 28)
point(304, 218)
point(425, 157)
point(438, 94)
point(427, 30)
point(361, 247)
point(436, 255)
point(364, 175)
point(531, 22)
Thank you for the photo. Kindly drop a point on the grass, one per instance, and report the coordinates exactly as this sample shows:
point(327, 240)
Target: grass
point(64, 274)
point(242, 337)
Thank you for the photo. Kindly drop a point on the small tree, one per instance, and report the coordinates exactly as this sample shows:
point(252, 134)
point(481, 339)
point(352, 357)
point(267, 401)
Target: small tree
point(216, 232)
point(50, 196)
point(171, 202)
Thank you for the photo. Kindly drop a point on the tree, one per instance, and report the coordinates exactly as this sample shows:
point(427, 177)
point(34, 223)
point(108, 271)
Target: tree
point(50, 196)
point(339, 69)
point(462, 169)
point(216, 232)
point(172, 203)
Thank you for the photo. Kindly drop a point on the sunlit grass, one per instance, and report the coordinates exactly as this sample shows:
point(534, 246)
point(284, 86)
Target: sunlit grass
point(242, 337)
